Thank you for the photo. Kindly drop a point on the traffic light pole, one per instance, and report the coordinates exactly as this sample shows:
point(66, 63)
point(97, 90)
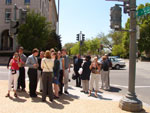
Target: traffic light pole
point(130, 101)
point(80, 36)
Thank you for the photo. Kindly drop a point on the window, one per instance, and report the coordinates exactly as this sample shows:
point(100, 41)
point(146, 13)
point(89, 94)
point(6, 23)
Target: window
point(26, 1)
point(8, 2)
point(7, 15)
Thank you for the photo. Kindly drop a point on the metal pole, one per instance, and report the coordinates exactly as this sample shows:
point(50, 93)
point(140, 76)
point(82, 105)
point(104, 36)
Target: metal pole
point(80, 36)
point(58, 15)
point(130, 101)
point(15, 12)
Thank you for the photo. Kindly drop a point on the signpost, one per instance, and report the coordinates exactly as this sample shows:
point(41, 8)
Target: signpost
point(143, 11)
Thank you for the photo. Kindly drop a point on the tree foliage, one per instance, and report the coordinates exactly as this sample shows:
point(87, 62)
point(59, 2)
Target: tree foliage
point(37, 33)
point(144, 41)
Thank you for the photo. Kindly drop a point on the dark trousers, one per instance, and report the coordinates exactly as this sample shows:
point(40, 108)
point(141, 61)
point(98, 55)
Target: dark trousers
point(47, 85)
point(61, 84)
point(78, 78)
point(21, 79)
point(32, 81)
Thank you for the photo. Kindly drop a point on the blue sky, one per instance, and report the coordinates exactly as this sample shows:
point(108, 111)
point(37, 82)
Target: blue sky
point(89, 16)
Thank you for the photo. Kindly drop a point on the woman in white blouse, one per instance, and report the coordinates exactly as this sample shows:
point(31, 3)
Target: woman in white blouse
point(47, 66)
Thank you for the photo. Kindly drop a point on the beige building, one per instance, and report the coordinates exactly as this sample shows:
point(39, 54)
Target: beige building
point(47, 8)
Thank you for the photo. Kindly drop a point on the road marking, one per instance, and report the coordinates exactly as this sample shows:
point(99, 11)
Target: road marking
point(122, 86)
point(127, 86)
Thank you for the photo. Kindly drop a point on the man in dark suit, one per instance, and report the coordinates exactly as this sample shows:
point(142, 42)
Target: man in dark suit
point(77, 65)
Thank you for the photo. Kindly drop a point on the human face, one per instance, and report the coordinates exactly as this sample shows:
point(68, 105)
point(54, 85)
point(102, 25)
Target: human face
point(16, 56)
point(41, 54)
point(36, 53)
point(59, 54)
point(63, 53)
point(20, 51)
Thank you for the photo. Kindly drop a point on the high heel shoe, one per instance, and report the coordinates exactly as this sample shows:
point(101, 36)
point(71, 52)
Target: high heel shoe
point(15, 94)
point(7, 95)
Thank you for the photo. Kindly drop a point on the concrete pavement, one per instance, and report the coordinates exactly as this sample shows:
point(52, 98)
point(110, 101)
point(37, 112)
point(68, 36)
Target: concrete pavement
point(76, 102)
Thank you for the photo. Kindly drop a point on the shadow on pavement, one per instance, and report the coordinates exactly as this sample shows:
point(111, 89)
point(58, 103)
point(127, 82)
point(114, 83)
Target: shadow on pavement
point(99, 96)
point(57, 103)
point(114, 89)
point(18, 99)
point(143, 111)
point(23, 94)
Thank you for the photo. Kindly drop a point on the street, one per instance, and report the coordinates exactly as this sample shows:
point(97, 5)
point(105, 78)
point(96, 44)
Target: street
point(118, 80)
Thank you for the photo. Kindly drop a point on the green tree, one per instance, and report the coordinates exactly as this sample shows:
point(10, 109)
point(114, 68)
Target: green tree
point(53, 41)
point(144, 41)
point(37, 33)
point(68, 46)
point(75, 49)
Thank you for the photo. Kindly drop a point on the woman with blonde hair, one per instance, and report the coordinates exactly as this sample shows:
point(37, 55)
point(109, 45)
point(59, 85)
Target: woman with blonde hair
point(47, 66)
point(94, 77)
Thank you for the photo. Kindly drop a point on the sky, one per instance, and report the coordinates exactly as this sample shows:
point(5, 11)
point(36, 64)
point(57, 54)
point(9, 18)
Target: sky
point(92, 17)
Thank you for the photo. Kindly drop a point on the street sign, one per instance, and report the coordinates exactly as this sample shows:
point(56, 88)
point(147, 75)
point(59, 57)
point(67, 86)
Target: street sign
point(143, 11)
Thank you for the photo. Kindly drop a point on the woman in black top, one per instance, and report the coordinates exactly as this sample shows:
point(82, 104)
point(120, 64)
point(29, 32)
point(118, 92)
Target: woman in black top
point(85, 76)
point(56, 70)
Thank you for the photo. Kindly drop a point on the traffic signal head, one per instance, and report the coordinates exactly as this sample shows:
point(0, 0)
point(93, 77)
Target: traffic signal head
point(115, 14)
point(126, 6)
point(83, 37)
point(77, 37)
point(22, 16)
point(13, 27)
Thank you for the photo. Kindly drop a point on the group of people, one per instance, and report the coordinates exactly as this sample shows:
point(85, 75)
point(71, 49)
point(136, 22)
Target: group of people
point(50, 68)
point(88, 72)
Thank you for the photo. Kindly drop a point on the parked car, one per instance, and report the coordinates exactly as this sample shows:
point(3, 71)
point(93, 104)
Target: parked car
point(117, 63)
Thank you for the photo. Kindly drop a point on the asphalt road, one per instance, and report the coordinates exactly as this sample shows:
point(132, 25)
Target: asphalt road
point(118, 80)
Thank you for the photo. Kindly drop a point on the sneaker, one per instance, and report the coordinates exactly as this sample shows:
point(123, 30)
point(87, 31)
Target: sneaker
point(66, 92)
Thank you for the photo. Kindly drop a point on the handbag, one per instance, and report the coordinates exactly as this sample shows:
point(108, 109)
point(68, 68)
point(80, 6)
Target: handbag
point(13, 72)
point(74, 77)
point(80, 70)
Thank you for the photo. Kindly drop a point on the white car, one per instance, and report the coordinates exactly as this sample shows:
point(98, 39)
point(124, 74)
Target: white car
point(117, 63)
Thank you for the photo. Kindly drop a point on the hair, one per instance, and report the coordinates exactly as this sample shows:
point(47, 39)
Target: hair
point(16, 53)
point(21, 48)
point(52, 50)
point(47, 54)
point(88, 58)
point(55, 53)
point(35, 50)
point(104, 57)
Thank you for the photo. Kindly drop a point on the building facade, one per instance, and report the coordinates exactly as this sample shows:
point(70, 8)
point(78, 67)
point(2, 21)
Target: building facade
point(53, 15)
point(7, 13)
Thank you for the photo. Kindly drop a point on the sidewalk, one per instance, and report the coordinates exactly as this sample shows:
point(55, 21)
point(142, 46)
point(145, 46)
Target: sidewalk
point(76, 102)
